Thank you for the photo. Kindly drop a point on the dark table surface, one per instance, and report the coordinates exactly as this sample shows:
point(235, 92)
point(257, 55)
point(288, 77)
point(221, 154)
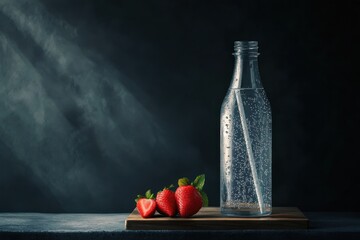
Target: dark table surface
point(323, 225)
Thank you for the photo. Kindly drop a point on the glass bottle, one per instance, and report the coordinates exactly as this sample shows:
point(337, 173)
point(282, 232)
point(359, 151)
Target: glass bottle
point(245, 139)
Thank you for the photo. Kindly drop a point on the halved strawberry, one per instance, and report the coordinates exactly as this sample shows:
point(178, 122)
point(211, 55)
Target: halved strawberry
point(166, 203)
point(146, 205)
point(190, 198)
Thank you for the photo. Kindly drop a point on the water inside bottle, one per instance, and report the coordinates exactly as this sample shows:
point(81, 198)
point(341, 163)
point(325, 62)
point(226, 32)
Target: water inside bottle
point(246, 153)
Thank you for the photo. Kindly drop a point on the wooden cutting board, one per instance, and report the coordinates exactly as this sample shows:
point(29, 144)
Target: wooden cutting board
point(209, 218)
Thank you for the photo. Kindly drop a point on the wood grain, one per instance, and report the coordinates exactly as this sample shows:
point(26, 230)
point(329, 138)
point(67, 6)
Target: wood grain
point(210, 219)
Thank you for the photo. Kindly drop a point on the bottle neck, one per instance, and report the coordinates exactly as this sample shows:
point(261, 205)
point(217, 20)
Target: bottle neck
point(246, 72)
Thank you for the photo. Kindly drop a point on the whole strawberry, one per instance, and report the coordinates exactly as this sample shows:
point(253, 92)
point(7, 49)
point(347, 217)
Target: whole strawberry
point(146, 205)
point(166, 203)
point(190, 197)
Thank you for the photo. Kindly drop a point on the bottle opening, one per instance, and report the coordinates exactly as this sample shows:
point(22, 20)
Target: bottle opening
point(246, 47)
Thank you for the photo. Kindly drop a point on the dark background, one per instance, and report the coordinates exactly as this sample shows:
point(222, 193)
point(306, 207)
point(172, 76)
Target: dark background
point(101, 100)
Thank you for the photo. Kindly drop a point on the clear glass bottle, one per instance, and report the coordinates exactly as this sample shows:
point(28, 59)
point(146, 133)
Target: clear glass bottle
point(245, 139)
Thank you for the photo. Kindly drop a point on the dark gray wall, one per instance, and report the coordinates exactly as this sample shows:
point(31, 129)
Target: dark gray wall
point(101, 100)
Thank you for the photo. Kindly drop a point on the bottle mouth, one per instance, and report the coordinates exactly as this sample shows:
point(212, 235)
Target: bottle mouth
point(246, 47)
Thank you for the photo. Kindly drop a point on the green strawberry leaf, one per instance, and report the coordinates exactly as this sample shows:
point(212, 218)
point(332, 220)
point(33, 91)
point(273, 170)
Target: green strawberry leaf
point(183, 181)
point(149, 194)
point(169, 187)
point(138, 197)
point(205, 199)
point(166, 188)
point(199, 182)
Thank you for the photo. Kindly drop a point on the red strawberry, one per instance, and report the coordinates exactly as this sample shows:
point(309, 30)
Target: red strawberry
point(146, 205)
point(166, 203)
point(190, 198)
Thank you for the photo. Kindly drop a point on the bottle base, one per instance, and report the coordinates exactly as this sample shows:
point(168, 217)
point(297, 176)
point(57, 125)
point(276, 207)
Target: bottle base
point(244, 213)
point(249, 211)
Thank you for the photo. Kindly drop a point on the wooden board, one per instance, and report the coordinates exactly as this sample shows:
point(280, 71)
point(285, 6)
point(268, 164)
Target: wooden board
point(210, 218)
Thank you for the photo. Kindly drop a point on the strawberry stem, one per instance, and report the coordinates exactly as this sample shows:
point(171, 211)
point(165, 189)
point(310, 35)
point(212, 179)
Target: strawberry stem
point(183, 181)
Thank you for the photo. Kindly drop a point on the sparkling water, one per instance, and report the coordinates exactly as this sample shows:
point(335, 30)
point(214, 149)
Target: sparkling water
point(245, 146)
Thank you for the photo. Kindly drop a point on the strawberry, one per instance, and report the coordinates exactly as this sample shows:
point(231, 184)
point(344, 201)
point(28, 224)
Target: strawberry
point(146, 205)
point(166, 203)
point(190, 198)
